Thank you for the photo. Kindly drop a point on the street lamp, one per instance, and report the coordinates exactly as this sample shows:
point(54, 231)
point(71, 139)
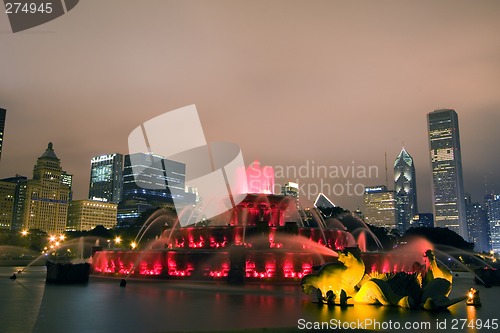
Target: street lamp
point(24, 232)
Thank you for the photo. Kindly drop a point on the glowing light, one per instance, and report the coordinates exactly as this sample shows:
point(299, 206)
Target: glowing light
point(52, 238)
point(473, 298)
point(118, 240)
point(24, 232)
point(62, 237)
point(260, 179)
point(180, 253)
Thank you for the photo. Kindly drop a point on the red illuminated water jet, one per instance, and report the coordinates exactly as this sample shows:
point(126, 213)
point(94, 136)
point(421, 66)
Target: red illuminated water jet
point(265, 237)
point(260, 179)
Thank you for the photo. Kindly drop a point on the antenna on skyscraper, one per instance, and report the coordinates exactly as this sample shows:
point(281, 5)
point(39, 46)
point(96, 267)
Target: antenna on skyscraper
point(386, 178)
point(485, 186)
point(492, 183)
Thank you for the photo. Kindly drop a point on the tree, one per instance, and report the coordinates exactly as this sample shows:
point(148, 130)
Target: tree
point(440, 236)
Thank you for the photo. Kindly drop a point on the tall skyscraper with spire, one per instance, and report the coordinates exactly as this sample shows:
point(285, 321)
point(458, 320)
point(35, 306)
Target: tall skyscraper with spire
point(446, 160)
point(405, 187)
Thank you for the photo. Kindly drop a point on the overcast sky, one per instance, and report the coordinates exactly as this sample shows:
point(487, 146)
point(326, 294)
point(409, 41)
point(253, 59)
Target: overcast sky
point(334, 82)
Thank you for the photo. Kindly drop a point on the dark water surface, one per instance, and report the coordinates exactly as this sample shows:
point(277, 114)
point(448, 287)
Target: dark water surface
point(29, 305)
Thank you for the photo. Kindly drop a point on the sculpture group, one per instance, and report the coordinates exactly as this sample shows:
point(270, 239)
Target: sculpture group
point(338, 282)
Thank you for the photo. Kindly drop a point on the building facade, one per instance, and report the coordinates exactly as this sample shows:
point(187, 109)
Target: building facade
point(19, 200)
point(11, 197)
point(422, 220)
point(405, 186)
point(150, 181)
point(87, 214)
point(380, 207)
point(106, 177)
point(492, 204)
point(46, 198)
point(290, 189)
point(152, 178)
point(7, 196)
point(477, 225)
point(446, 161)
point(3, 114)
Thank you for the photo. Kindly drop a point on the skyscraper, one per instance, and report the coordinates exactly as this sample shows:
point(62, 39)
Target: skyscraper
point(106, 177)
point(446, 160)
point(46, 198)
point(422, 220)
point(492, 204)
point(477, 224)
point(67, 179)
point(3, 113)
point(290, 189)
point(405, 187)
point(11, 199)
point(380, 207)
point(158, 181)
point(7, 194)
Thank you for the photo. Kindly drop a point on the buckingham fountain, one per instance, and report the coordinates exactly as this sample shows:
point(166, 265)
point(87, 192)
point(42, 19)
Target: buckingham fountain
point(267, 263)
point(265, 237)
point(270, 238)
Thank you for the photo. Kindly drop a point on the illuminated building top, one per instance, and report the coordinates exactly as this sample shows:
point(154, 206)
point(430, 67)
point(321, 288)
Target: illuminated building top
point(445, 154)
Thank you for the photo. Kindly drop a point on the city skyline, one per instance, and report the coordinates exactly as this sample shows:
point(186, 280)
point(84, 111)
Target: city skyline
point(300, 75)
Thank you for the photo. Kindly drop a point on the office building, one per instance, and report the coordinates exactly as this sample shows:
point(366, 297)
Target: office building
point(67, 180)
point(152, 178)
point(106, 177)
point(88, 214)
point(405, 186)
point(19, 200)
point(46, 198)
point(492, 204)
point(11, 199)
point(477, 225)
point(151, 181)
point(7, 195)
point(129, 211)
point(422, 220)
point(290, 189)
point(322, 201)
point(446, 161)
point(3, 114)
point(380, 207)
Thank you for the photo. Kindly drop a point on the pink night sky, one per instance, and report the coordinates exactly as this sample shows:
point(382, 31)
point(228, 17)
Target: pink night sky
point(334, 83)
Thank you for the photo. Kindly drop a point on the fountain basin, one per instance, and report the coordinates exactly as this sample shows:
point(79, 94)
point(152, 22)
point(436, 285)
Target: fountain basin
point(67, 273)
point(487, 276)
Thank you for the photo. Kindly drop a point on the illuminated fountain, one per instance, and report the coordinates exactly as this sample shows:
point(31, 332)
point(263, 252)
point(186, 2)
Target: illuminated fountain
point(349, 281)
point(265, 237)
point(268, 238)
